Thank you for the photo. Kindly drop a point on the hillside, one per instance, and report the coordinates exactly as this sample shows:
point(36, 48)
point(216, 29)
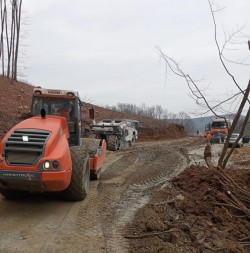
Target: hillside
point(15, 100)
point(18, 99)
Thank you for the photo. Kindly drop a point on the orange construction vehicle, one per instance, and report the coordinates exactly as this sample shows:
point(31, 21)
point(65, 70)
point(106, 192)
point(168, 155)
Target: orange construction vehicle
point(220, 125)
point(46, 152)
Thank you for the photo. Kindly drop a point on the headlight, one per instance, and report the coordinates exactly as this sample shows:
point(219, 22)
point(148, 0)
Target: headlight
point(46, 165)
point(49, 165)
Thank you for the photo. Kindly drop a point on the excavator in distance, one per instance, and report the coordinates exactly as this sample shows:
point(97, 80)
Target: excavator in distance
point(47, 152)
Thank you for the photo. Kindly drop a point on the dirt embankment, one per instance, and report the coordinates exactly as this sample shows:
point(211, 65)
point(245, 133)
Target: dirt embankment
point(150, 129)
point(193, 215)
point(17, 100)
point(197, 212)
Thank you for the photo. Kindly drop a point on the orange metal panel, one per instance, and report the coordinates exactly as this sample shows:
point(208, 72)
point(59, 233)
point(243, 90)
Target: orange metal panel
point(56, 181)
point(57, 148)
point(97, 161)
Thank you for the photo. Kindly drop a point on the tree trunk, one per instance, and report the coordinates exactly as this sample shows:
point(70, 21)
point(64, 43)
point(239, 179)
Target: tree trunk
point(7, 39)
point(18, 22)
point(13, 33)
point(2, 31)
point(221, 162)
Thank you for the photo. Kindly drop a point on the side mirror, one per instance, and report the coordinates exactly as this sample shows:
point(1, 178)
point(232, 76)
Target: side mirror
point(92, 113)
point(43, 113)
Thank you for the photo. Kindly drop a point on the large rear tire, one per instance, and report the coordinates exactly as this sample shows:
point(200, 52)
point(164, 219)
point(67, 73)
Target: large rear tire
point(112, 142)
point(90, 135)
point(79, 184)
point(91, 145)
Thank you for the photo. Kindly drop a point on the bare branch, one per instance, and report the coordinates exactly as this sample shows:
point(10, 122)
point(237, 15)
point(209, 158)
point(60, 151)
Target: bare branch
point(220, 50)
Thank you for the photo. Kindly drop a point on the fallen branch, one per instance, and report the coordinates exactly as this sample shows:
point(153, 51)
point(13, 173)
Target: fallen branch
point(227, 212)
point(213, 249)
point(235, 194)
point(149, 234)
point(164, 202)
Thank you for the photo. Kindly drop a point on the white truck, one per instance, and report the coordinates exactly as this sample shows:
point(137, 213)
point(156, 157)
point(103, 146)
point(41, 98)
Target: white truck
point(118, 133)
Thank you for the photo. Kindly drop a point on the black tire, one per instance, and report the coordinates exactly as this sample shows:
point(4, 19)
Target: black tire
point(90, 135)
point(95, 176)
point(91, 145)
point(112, 142)
point(127, 144)
point(79, 184)
point(132, 142)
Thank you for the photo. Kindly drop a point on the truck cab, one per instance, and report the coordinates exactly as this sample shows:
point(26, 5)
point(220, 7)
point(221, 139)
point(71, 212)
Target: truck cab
point(62, 103)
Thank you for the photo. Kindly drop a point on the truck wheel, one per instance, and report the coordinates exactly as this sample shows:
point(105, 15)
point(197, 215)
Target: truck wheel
point(90, 135)
point(91, 145)
point(127, 144)
point(132, 142)
point(112, 142)
point(79, 184)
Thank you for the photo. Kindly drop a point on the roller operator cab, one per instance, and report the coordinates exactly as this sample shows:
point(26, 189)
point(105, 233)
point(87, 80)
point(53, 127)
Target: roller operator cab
point(46, 153)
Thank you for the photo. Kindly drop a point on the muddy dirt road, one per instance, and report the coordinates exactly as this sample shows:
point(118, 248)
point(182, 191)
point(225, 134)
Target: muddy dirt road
point(42, 223)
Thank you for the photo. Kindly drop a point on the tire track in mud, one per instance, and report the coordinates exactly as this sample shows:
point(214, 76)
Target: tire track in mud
point(106, 204)
point(30, 223)
point(97, 224)
point(134, 179)
point(82, 230)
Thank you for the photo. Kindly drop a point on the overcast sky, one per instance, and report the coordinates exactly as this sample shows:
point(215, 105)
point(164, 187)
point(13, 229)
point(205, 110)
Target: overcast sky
point(106, 49)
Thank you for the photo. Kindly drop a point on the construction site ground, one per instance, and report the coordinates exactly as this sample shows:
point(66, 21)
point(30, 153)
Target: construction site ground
point(148, 199)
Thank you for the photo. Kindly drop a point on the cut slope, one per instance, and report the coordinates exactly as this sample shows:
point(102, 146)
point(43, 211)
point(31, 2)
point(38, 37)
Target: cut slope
point(150, 129)
point(16, 100)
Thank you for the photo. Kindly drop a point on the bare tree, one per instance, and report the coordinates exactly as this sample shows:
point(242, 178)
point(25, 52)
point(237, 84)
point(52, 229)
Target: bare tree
point(238, 197)
point(158, 111)
point(186, 121)
point(11, 42)
point(2, 32)
point(182, 118)
point(199, 96)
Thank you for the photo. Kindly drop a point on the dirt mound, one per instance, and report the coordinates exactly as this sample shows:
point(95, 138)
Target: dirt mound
point(193, 216)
